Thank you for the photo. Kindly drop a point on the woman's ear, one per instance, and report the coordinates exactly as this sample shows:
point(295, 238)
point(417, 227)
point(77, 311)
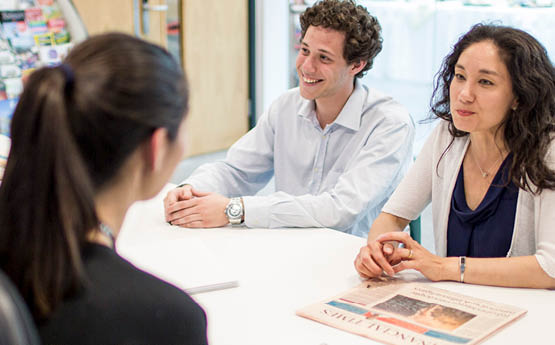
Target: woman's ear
point(156, 149)
point(514, 106)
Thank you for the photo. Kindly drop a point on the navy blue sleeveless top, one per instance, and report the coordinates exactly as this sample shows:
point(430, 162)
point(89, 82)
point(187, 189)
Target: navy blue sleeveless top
point(486, 231)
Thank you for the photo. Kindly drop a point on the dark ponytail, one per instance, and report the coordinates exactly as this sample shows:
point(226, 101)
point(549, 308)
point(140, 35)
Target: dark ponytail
point(72, 130)
point(45, 195)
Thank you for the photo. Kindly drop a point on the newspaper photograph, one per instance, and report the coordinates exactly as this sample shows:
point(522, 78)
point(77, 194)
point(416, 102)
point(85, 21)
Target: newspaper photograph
point(393, 311)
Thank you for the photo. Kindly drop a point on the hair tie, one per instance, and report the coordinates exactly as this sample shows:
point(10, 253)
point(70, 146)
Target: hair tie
point(69, 76)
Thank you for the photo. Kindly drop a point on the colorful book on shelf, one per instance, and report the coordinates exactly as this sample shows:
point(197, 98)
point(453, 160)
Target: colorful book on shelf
point(35, 20)
point(51, 55)
point(45, 2)
point(25, 4)
point(7, 107)
point(394, 311)
point(16, 31)
point(51, 11)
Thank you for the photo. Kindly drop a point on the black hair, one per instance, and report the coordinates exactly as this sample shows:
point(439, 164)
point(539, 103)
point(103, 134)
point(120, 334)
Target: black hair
point(363, 39)
point(72, 130)
point(528, 130)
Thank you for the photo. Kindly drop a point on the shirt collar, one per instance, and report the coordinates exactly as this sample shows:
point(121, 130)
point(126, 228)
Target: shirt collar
point(350, 115)
point(307, 108)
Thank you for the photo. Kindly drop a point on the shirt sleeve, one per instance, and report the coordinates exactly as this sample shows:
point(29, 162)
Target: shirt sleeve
point(376, 170)
point(414, 192)
point(247, 168)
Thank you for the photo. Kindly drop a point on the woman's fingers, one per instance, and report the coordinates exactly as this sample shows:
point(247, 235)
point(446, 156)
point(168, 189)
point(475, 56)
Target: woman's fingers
point(380, 259)
point(371, 261)
point(402, 237)
point(383, 256)
point(365, 265)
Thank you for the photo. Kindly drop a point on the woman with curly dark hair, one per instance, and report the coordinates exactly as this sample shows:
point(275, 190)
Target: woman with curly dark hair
point(488, 169)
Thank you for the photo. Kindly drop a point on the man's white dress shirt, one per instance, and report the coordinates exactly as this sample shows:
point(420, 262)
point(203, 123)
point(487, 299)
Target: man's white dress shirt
point(338, 177)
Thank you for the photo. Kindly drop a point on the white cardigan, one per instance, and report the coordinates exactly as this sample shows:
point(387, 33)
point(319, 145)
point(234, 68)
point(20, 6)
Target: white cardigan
point(534, 229)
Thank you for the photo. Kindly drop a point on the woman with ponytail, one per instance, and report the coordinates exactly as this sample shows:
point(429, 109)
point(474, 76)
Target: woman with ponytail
point(89, 138)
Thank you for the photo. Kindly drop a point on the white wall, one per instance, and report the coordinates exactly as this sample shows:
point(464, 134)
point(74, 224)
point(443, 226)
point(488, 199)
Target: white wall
point(272, 51)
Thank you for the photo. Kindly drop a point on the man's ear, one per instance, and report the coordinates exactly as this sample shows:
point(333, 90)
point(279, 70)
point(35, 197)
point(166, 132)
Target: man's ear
point(357, 66)
point(156, 149)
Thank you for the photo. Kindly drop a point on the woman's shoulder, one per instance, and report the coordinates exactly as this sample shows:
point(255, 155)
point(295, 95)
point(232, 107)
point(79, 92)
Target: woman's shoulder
point(129, 283)
point(122, 304)
point(441, 138)
point(169, 312)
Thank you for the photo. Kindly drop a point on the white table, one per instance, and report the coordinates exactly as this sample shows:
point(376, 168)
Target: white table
point(280, 271)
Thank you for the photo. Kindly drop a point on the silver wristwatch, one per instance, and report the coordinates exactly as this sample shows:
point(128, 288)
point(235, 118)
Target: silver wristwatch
point(234, 211)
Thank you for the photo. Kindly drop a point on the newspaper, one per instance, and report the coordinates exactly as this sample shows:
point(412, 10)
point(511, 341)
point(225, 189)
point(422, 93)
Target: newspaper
point(394, 311)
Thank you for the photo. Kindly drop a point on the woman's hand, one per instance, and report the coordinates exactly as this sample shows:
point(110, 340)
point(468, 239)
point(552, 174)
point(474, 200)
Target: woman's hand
point(374, 259)
point(415, 256)
point(378, 257)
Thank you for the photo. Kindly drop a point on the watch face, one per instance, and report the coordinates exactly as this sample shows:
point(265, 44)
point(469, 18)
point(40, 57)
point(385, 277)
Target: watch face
point(234, 210)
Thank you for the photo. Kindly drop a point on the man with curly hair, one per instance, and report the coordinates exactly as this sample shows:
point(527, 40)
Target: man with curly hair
point(336, 148)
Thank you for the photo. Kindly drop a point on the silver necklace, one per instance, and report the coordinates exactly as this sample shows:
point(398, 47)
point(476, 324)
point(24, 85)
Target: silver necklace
point(485, 173)
point(105, 229)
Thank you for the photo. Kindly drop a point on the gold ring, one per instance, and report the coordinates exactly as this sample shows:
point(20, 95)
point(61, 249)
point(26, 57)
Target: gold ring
point(410, 254)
